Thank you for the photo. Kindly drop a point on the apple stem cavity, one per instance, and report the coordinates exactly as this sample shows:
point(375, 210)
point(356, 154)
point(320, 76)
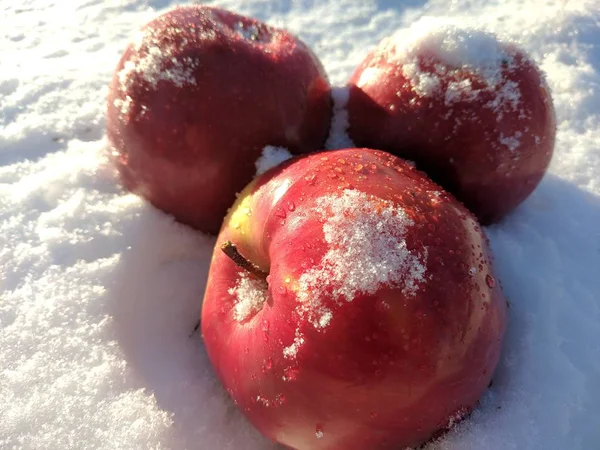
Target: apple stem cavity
point(231, 250)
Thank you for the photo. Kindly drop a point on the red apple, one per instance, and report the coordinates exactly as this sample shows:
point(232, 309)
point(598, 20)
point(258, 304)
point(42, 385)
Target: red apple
point(473, 112)
point(195, 99)
point(357, 308)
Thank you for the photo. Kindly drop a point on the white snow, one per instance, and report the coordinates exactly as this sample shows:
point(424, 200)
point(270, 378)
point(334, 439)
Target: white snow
point(338, 137)
point(99, 292)
point(270, 157)
point(512, 142)
point(454, 45)
point(250, 295)
point(453, 48)
point(292, 350)
point(361, 258)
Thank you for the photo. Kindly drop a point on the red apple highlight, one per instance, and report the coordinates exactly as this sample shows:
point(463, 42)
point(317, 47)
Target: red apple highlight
point(357, 308)
point(195, 99)
point(473, 112)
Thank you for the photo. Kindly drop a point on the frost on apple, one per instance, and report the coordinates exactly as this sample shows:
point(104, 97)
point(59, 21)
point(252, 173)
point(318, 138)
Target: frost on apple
point(202, 91)
point(250, 295)
point(465, 105)
point(511, 142)
point(292, 350)
point(155, 62)
point(372, 252)
point(451, 53)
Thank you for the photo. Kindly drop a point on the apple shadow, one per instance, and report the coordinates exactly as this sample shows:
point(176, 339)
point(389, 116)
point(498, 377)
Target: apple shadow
point(547, 255)
point(154, 298)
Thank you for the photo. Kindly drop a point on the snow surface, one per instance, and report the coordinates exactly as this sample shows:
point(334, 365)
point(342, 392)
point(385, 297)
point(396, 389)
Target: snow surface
point(271, 156)
point(100, 292)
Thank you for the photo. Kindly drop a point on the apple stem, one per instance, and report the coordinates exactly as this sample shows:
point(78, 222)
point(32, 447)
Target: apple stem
point(231, 250)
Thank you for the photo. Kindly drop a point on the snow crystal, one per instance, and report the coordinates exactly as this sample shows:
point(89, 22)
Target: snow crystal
point(156, 65)
point(512, 142)
point(292, 350)
point(271, 157)
point(153, 62)
point(250, 295)
point(124, 106)
point(454, 46)
point(367, 250)
point(251, 32)
point(425, 84)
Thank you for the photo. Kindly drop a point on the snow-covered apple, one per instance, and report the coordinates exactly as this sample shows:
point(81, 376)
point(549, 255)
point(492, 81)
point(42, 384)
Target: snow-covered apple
point(196, 97)
point(472, 111)
point(351, 304)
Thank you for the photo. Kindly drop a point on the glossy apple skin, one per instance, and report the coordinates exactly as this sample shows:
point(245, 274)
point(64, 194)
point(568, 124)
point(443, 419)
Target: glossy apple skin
point(186, 132)
point(390, 370)
point(460, 146)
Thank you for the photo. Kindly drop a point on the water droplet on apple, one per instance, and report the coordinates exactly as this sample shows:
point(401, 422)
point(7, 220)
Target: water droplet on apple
point(373, 415)
point(319, 431)
point(311, 178)
point(291, 206)
point(269, 364)
point(265, 329)
point(280, 212)
point(282, 290)
point(489, 280)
